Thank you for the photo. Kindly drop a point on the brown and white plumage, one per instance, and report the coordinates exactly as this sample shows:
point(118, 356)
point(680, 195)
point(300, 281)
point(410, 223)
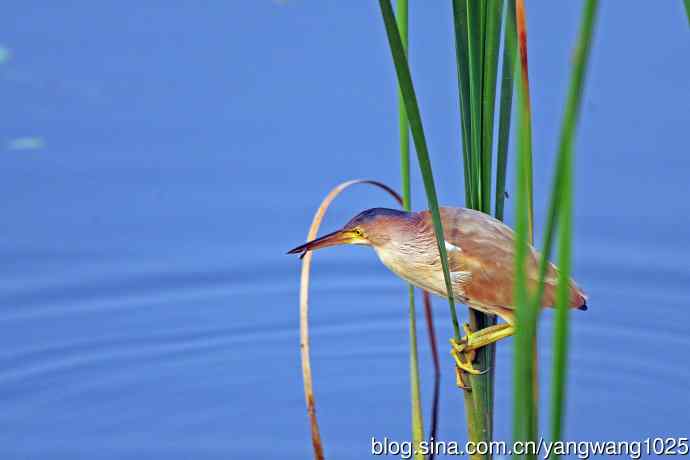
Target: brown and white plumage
point(480, 249)
point(481, 253)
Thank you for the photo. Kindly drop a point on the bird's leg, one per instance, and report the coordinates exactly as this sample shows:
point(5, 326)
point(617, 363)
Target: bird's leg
point(488, 335)
point(472, 341)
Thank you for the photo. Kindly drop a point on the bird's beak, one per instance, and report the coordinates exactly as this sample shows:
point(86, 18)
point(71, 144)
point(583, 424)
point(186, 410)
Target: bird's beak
point(332, 239)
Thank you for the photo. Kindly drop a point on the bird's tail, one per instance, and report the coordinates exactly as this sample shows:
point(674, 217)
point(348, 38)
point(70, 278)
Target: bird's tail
point(578, 299)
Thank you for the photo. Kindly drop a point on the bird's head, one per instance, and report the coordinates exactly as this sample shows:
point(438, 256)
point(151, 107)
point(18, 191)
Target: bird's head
point(373, 227)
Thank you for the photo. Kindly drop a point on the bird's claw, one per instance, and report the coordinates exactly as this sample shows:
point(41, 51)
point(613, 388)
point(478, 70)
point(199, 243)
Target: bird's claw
point(460, 380)
point(466, 366)
point(464, 357)
point(463, 352)
point(465, 345)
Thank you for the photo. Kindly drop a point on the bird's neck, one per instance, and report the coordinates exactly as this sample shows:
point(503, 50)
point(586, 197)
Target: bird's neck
point(397, 258)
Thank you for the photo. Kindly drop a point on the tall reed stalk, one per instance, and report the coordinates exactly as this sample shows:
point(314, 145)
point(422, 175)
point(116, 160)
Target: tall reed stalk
point(477, 43)
point(478, 27)
point(415, 392)
point(565, 168)
point(559, 216)
point(525, 423)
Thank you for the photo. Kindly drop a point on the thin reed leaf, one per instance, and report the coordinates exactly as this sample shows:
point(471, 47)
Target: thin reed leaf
point(415, 392)
point(525, 320)
point(415, 387)
point(462, 62)
point(525, 400)
point(402, 21)
point(506, 107)
point(491, 51)
point(475, 12)
point(687, 9)
point(405, 82)
point(561, 326)
point(566, 145)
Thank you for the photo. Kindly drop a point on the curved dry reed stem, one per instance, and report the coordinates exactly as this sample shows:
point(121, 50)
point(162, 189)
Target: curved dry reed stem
point(304, 306)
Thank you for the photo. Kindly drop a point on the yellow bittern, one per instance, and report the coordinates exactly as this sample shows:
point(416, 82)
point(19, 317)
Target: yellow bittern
point(481, 253)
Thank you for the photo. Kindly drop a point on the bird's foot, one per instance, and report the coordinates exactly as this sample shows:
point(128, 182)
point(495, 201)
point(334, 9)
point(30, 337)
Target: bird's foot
point(460, 378)
point(464, 350)
point(463, 359)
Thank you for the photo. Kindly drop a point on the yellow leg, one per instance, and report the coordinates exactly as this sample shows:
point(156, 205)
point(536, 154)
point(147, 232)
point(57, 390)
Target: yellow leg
point(488, 335)
point(474, 340)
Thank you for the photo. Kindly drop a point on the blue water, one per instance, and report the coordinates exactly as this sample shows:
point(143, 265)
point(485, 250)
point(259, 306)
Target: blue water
point(156, 162)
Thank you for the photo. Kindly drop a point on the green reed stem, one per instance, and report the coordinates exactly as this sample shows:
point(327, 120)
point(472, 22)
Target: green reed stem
point(477, 41)
point(474, 417)
point(475, 52)
point(525, 317)
point(506, 106)
point(492, 47)
point(402, 21)
point(462, 62)
point(415, 391)
point(483, 385)
point(525, 367)
point(572, 111)
point(415, 387)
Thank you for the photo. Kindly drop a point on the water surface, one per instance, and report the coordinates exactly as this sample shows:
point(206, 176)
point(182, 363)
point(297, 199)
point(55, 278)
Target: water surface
point(158, 161)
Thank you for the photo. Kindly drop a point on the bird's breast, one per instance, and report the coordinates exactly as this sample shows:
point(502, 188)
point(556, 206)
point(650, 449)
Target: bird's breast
point(418, 270)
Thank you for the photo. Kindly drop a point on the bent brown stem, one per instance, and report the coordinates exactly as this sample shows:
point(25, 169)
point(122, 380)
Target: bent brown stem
point(304, 306)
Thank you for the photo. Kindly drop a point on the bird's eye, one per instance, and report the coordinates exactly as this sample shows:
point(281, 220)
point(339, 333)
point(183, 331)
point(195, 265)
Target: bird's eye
point(358, 232)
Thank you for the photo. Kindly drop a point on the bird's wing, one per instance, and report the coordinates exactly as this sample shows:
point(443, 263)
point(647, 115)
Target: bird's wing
point(482, 249)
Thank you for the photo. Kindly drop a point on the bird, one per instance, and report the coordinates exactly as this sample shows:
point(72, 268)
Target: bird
point(481, 259)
